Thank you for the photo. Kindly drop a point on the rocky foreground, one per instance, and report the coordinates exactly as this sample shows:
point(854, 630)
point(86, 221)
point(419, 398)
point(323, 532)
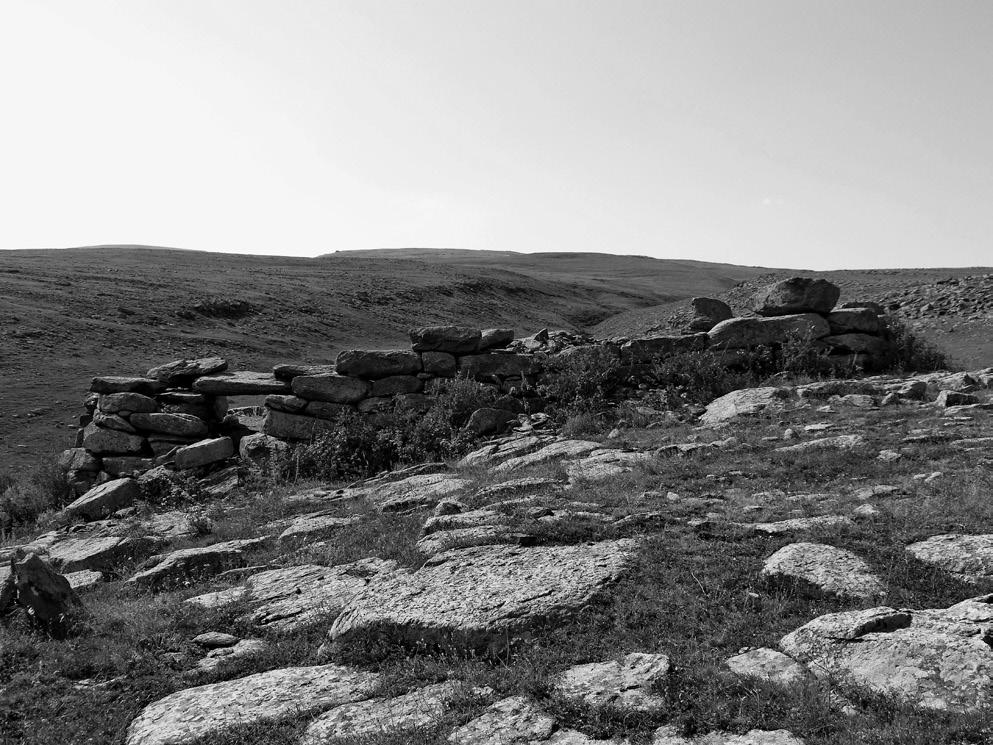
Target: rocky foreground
point(827, 545)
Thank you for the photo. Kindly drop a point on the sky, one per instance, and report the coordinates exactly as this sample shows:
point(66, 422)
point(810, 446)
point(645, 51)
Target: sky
point(802, 133)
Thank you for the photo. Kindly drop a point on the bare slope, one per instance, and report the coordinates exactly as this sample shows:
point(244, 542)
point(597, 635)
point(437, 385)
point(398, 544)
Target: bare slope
point(66, 315)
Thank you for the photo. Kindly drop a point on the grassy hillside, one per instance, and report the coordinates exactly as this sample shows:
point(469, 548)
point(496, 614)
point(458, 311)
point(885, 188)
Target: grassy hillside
point(66, 315)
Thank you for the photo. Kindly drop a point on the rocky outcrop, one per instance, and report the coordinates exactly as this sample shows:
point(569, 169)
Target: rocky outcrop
point(831, 570)
point(196, 714)
point(796, 295)
point(421, 707)
point(935, 659)
point(480, 598)
point(628, 683)
point(746, 402)
point(297, 597)
point(968, 557)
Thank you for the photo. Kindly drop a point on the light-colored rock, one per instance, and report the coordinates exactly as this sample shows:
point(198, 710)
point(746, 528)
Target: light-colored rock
point(667, 735)
point(77, 459)
point(111, 441)
point(113, 421)
point(242, 383)
point(204, 453)
point(451, 339)
point(934, 659)
point(771, 666)
point(103, 499)
point(482, 597)
point(829, 569)
point(315, 527)
point(126, 403)
point(605, 464)
point(422, 707)
point(798, 524)
point(511, 721)
point(187, 564)
point(182, 372)
point(336, 389)
point(839, 442)
point(494, 453)
point(626, 683)
point(745, 402)
point(455, 538)
point(425, 490)
point(240, 650)
point(377, 364)
point(707, 313)
point(744, 333)
point(99, 552)
point(182, 425)
point(968, 557)
point(300, 596)
point(796, 295)
point(495, 338)
point(211, 710)
point(561, 450)
point(262, 450)
point(83, 580)
point(215, 639)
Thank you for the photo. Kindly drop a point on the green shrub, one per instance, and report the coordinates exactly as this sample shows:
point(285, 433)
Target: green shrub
point(24, 498)
point(910, 352)
point(361, 445)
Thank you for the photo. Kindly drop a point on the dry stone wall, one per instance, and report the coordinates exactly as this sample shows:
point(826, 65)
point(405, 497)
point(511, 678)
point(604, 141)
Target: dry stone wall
point(177, 413)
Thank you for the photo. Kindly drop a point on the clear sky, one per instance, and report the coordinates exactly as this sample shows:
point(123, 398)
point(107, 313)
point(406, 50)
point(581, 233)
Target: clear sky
point(802, 133)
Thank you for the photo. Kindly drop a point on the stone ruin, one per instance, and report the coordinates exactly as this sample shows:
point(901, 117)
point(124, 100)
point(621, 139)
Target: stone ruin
point(177, 413)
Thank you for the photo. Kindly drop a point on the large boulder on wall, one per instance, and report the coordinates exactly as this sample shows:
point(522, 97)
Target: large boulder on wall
point(796, 295)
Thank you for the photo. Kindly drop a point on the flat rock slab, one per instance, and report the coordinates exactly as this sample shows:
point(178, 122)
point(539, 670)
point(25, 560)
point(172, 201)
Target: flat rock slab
point(666, 736)
point(746, 402)
point(626, 683)
point(104, 499)
point(188, 564)
point(497, 452)
point(424, 490)
point(935, 659)
point(99, 552)
point(241, 650)
point(798, 524)
point(477, 598)
point(240, 384)
point(840, 442)
point(297, 597)
point(518, 721)
point(315, 527)
point(769, 665)
point(441, 541)
point(211, 710)
point(561, 450)
point(829, 569)
point(512, 720)
point(601, 465)
point(379, 716)
point(968, 557)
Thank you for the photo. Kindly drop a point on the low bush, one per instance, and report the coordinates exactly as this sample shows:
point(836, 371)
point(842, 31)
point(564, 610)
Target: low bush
point(361, 445)
point(909, 352)
point(23, 498)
